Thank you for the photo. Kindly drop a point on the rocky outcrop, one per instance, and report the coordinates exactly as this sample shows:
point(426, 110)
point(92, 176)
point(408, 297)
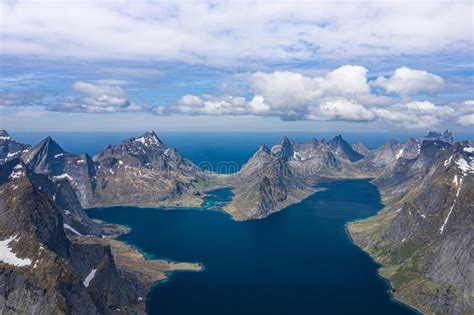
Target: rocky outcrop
point(48, 158)
point(344, 149)
point(62, 195)
point(10, 148)
point(360, 148)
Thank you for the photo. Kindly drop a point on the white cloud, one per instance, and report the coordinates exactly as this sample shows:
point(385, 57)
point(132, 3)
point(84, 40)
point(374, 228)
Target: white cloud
point(415, 115)
point(466, 113)
point(343, 94)
point(202, 32)
point(340, 109)
point(466, 120)
point(95, 90)
point(410, 81)
point(96, 99)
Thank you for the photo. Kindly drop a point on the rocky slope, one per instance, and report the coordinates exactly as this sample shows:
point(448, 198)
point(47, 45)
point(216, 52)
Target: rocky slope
point(62, 195)
point(144, 171)
point(10, 148)
point(424, 236)
point(48, 158)
point(47, 267)
point(265, 184)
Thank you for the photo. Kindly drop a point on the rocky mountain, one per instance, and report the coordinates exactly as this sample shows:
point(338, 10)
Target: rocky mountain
point(48, 158)
point(266, 184)
point(275, 178)
point(144, 171)
point(446, 136)
point(62, 195)
point(360, 148)
point(41, 270)
point(342, 148)
point(424, 236)
point(10, 148)
point(48, 267)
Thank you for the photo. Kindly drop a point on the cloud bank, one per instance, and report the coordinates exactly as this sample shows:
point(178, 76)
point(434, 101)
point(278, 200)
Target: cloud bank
point(206, 32)
point(344, 94)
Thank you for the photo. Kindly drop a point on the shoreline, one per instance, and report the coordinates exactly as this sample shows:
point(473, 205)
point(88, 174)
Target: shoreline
point(137, 268)
point(379, 274)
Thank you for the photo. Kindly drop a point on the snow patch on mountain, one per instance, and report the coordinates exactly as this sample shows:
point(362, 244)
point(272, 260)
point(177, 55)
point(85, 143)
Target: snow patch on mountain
point(8, 256)
point(89, 277)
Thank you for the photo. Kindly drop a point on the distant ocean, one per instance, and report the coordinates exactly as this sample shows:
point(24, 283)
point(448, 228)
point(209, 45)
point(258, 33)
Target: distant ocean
point(211, 148)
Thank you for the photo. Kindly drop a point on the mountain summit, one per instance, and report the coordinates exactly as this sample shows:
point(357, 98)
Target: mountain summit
point(342, 148)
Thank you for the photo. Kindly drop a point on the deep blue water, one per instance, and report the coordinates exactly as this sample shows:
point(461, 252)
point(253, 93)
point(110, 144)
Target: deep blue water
point(297, 261)
point(223, 152)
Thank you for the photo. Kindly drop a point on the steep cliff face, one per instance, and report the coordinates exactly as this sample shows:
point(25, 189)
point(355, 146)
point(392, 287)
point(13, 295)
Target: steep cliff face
point(344, 149)
point(62, 195)
point(48, 158)
point(144, 171)
point(36, 274)
point(44, 271)
point(424, 236)
point(10, 148)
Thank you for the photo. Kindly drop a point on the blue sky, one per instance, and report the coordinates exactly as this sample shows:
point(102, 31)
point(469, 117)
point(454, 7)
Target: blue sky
point(237, 65)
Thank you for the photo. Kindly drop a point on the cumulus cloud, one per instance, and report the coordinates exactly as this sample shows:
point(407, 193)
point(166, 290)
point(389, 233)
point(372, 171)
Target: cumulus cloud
point(414, 115)
point(340, 109)
point(197, 31)
point(466, 113)
point(96, 98)
point(343, 94)
point(408, 81)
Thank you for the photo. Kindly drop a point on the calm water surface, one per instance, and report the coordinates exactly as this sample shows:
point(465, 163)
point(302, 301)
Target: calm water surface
point(297, 261)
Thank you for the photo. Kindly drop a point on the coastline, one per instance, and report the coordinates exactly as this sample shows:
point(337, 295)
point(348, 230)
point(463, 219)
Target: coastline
point(391, 289)
point(137, 269)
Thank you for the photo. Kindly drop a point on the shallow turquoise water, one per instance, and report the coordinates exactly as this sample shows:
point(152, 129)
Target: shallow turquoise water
point(297, 261)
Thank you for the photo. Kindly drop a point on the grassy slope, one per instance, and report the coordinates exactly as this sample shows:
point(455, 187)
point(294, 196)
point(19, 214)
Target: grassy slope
point(401, 263)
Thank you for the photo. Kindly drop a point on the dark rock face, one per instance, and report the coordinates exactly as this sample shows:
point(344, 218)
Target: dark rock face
point(43, 271)
point(10, 148)
point(63, 196)
point(344, 149)
point(50, 159)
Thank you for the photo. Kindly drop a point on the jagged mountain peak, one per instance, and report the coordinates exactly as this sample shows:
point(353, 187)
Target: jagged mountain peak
point(283, 149)
point(149, 138)
point(4, 134)
point(342, 148)
point(262, 150)
point(446, 136)
point(48, 145)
